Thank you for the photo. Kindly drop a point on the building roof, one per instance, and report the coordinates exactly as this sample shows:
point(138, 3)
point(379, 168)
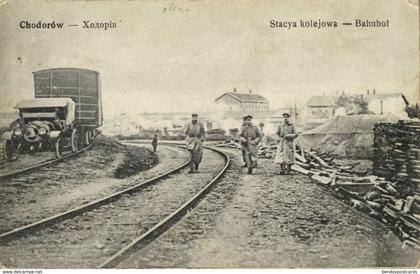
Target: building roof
point(64, 69)
point(382, 96)
point(44, 103)
point(245, 97)
point(322, 101)
point(362, 123)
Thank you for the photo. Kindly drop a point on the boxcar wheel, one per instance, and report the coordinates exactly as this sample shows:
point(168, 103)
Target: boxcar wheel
point(59, 147)
point(92, 135)
point(75, 141)
point(88, 137)
point(10, 152)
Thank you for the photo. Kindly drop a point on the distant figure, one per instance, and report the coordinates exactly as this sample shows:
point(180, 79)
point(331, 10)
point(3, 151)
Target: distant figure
point(287, 134)
point(242, 144)
point(194, 135)
point(263, 137)
point(261, 125)
point(250, 136)
point(154, 143)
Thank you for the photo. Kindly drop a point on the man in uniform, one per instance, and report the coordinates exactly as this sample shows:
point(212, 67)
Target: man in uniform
point(287, 134)
point(194, 135)
point(154, 142)
point(242, 144)
point(261, 125)
point(250, 136)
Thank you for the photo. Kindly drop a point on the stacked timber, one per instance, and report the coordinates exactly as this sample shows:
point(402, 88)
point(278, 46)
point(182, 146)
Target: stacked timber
point(397, 158)
point(267, 151)
point(2, 159)
point(397, 155)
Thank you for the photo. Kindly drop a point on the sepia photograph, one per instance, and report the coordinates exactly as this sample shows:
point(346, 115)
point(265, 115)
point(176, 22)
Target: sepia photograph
point(209, 134)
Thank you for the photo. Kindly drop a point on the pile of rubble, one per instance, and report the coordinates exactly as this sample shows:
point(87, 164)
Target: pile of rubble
point(388, 199)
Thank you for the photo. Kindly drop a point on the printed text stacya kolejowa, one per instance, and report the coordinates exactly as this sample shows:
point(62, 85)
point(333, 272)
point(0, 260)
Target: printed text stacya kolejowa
point(322, 24)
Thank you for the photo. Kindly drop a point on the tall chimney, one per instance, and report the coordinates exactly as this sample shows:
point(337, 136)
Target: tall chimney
point(250, 91)
point(367, 92)
point(374, 91)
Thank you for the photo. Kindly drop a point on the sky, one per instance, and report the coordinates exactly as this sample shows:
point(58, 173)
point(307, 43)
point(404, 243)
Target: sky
point(161, 59)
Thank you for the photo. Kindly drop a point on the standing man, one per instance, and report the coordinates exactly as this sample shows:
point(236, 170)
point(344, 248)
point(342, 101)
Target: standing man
point(261, 125)
point(154, 143)
point(287, 132)
point(250, 136)
point(194, 135)
point(242, 144)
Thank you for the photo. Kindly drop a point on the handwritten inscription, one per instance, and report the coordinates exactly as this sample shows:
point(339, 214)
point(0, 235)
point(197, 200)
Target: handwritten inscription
point(174, 8)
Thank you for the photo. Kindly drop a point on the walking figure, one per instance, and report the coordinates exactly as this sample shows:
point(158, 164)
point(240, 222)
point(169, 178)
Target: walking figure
point(242, 144)
point(154, 143)
point(286, 151)
point(194, 135)
point(249, 137)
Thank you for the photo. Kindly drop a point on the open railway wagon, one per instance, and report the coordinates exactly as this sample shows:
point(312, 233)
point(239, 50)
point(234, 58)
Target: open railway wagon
point(64, 116)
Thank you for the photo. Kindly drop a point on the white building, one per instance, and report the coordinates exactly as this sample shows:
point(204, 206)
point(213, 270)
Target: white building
point(242, 102)
point(320, 109)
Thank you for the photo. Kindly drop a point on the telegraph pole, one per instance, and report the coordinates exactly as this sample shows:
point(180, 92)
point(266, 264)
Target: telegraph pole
point(382, 110)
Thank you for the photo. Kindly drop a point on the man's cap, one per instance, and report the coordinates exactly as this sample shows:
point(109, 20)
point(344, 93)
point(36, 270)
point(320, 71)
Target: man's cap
point(261, 124)
point(247, 117)
point(286, 115)
point(194, 115)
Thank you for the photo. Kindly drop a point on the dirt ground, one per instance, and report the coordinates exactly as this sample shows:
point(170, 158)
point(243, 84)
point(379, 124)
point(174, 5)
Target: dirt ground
point(262, 220)
point(88, 240)
point(266, 220)
point(74, 182)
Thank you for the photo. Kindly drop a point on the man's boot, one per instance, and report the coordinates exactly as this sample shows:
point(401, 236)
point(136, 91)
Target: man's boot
point(289, 169)
point(196, 167)
point(282, 169)
point(244, 158)
point(191, 167)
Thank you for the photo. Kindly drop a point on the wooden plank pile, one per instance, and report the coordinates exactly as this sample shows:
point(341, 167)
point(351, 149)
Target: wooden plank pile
point(397, 159)
point(391, 195)
point(2, 159)
point(267, 151)
point(388, 201)
point(397, 154)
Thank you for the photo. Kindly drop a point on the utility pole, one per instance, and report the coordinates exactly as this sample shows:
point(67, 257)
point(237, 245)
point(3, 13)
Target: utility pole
point(382, 110)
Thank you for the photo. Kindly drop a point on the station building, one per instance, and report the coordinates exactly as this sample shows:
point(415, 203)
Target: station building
point(241, 102)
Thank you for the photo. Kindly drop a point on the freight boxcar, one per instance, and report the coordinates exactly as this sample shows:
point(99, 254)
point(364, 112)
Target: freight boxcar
point(66, 113)
point(82, 86)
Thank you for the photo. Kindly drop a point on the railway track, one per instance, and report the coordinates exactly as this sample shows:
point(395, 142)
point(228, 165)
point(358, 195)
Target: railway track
point(23, 230)
point(43, 164)
point(151, 234)
point(153, 230)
